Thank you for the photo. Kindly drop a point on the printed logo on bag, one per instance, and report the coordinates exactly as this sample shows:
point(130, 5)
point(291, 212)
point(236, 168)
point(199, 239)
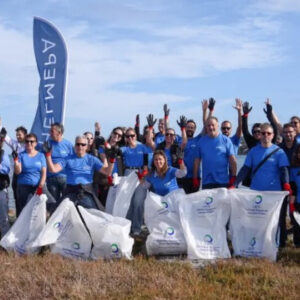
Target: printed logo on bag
point(256, 208)
point(164, 204)
point(170, 231)
point(76, 246)
point(252, 242)
point(258, 199)
point(57, 225)
point(114, 248)
point(206, 206)
point(208, 238)
point(209, 200)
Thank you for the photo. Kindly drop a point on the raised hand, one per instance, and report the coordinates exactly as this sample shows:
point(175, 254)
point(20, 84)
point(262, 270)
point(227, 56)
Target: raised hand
point(182, 122)
point(211, 104)
point(151, 121)
point(246, 108)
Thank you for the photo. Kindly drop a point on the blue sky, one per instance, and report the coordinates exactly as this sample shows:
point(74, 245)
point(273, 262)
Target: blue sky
point(129, 57)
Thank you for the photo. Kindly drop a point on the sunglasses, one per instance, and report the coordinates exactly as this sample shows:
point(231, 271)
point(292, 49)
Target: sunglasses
point(30, 141)
point(294, 122)
point(80, 144)
point(266, 133)
point(117, 134)
point(256, 131)
point(130, 135)
point(226, 128)
point(170, 134)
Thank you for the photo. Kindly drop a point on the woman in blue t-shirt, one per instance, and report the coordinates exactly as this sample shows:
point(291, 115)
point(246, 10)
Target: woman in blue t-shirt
point(30, 166)
point(161, 180)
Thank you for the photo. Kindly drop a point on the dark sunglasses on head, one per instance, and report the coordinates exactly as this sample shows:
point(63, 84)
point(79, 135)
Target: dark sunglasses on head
point(266, 133)
point(170, 134)
point(130, 135)
point(30, 141)
point(80, 144)
point(226, 128)
point(117, 134)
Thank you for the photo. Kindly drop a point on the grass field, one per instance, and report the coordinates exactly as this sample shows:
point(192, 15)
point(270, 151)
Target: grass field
point(49, 276)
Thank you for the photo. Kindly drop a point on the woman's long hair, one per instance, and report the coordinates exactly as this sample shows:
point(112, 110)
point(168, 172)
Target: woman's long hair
point(165, 167)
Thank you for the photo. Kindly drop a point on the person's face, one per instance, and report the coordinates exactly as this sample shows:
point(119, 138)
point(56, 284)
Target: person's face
point(256, 133)
point(161, 125)
point(55, 134)
point(190, 129)
point(226, 128)
point(80, 147)
point(296, 123)
point(116, 135)
point(289, 134)
point(20, 136)
point(90, 139)
point(267, 135)
point(130, 137)
point(170, 136)
point(212, 128)
point(30, 144)
point(159, 161)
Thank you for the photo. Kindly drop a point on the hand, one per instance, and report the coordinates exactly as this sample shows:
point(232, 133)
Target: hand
point(166, 111)
point(47, 147)
point(287, 187)
point(3, 133)
point(109, 180)
point(231, 183)
point(204, 105)
point(97, 126)
point(39, 190)
point(112, 153)
point(211, 104)
point(151, 121)
point(268, 111)
point(196, 183)
point(246, 108)
point(15, 155)
point(141, 174)
point(137, 121)
point(238, 104)
point(182, 122)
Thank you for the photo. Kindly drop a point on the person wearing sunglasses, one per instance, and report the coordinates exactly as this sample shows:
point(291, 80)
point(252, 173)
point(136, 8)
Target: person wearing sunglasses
point(272, 175)
point(79, 168)
point(295, 121)
point(31, 168)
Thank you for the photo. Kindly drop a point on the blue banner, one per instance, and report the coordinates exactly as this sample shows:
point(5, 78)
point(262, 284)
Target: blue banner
point(51, 58)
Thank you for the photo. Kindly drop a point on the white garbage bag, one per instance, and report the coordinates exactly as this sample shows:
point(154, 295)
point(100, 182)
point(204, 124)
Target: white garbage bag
point(110, 234)
point(203, 216)
point(254, 222)
point(112, 193)
point(162, 220)
point(73, 240)
point(21, 236)
point(124, 193)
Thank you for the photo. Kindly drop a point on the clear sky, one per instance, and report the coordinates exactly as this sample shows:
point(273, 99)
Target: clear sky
point(128, 57)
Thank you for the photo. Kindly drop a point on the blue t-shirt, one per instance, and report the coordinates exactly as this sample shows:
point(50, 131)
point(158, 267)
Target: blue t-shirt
point(80, 170)
point(31, 168)
point(295, 177)
point(134, 157)
point(60, 150)
point(190, 153)
point(163, 185)
point(214, 153)
point(236, 143)
point(267, 177)
point(298, 138)
point(5, 164)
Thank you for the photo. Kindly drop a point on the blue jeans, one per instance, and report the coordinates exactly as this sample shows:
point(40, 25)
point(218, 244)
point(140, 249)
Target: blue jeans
point(136, 209)
point(85, 200)
point(4, 223)
point(56, 186)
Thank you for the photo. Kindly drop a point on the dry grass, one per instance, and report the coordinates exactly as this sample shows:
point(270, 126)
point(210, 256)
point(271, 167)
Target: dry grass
point(53, 277)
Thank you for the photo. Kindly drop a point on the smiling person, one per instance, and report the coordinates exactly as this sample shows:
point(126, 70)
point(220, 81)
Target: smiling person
point(216, 152)
point(30, 166)
point(80, 168)
point(295, 121)
point(161, 180)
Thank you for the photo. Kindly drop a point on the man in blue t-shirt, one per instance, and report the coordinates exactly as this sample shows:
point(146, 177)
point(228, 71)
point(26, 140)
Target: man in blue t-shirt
point(216, 153)
point(60, 148)
point(79, 168)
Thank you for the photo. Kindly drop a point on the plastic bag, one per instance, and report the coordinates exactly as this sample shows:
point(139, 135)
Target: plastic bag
point(112, 193)
point(124, 193)
point(21, 236)
point(110, 234)
point(162, 220)
point(254, 222)
point(203, 216)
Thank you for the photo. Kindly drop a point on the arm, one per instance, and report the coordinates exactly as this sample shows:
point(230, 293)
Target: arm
point(243, 173)
point(238, 107)
point(182, 124)
point(54, 168)
point(137, 128)
point(166, 116)
point(107, 170)
point(43, 177)
point(232, 165)
point(269, 113)
point(17, 166)
point(204, 111)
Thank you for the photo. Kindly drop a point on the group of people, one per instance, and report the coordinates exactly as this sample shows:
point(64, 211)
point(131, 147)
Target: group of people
point(163, 161)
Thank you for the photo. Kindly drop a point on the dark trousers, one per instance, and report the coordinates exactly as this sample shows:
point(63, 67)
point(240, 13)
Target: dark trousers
point(187, 185)
point(296, 227)
point(282, 223)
